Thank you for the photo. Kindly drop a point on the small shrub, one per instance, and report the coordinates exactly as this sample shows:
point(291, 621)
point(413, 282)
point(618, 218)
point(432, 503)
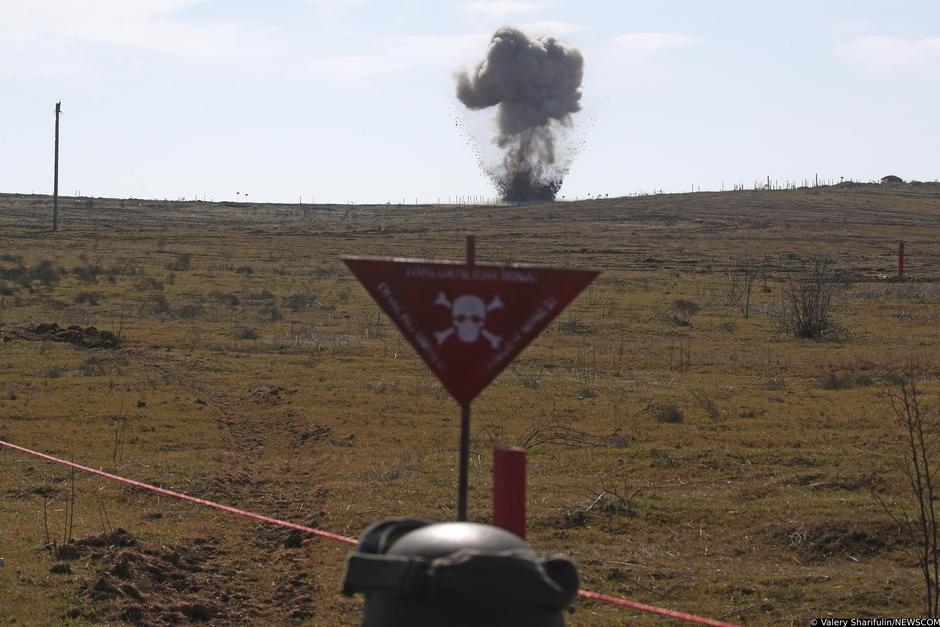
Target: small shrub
point(52, 373)
point(663, 459)
point(45, 272)
point(270, 312)
point(87, 273)
point(707, 404)
point(299, 301)
point(727, 326)
point(189, 312)
point(155, 305)
point(244, 270)
point(245, 333)
point(669, 413)
point(92, 367)
point(835, 380)
point(684, 310)
point(740, 286)
point(530, 381)
point(91, 272)
point(775, 384)
point(808, 299)
point(574, 326)
point(182, 263)
point(17, 275)
point(227, 299)
point(86, 298)
point(149, 284)
point(262, 295)
point(322, 273)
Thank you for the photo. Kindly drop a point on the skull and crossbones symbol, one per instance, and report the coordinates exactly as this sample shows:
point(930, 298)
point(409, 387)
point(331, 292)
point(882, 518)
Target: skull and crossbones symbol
point(468, 315)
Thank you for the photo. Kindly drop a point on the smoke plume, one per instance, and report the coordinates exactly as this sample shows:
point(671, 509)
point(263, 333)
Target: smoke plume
point(536, 85)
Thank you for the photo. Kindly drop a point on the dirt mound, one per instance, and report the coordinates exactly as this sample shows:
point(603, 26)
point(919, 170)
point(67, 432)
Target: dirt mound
point(154, 586)
point(86, 337)
point(827, 541)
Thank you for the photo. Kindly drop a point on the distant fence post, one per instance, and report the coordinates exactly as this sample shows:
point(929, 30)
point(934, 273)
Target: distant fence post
point(509, 490)
point(901, 259)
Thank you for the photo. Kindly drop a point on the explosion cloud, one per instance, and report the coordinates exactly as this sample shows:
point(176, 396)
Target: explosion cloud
point(536, 85)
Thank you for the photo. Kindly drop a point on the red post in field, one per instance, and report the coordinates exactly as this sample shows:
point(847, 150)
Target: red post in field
point(901, 259)
point(509, 490)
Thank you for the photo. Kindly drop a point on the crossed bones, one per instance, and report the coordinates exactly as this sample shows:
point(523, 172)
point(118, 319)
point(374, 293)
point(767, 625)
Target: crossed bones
point(468, 314)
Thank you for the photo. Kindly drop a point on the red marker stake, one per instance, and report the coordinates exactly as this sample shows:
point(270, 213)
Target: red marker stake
point(509, 490)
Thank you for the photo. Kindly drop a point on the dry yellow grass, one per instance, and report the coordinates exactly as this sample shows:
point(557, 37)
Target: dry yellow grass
point(759, 506)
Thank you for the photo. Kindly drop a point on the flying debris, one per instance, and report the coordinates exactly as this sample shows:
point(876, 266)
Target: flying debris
point(536, 87)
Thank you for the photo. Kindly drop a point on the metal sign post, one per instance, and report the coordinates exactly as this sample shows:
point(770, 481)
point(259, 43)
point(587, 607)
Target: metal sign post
point(467, 321)
point(463, 470)
point(55, 176)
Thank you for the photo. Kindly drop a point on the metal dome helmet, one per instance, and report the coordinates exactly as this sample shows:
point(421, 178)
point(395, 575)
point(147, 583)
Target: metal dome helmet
point(417, 573)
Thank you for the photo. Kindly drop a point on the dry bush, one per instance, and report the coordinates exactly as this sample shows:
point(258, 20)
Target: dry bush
point(182, 263)
point(149, 284)
point(44, 272)
point(844, 380)
point(740, 286)
point(707, 404)
point(245, 333)
point(918, 459)
point(227, 299)
point(684, 309)
point(667, 412)
point(86, 298)
point(574, 326)
point(808, 299)
point(300, 301)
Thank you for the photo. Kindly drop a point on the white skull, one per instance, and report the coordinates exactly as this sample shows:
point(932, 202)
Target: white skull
point(469, 316)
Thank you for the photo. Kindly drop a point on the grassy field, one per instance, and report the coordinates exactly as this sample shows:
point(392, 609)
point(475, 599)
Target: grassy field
point(701, 461)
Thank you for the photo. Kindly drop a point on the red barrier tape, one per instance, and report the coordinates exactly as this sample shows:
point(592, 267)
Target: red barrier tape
point(586, 594)
point(643, 607)
point(184, 497)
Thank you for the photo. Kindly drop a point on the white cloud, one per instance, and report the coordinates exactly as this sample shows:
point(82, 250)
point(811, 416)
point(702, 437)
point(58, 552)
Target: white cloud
point(398, 54)
point(881, 54)
point(849, 27)
point(552, 27)
point(646, 44)
point(50, 33)
point(441, 50)
point(499, 9)
point(331, 7)
point(352, 67)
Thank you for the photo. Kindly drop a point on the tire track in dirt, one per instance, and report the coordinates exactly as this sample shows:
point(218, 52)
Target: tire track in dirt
point(248, 435)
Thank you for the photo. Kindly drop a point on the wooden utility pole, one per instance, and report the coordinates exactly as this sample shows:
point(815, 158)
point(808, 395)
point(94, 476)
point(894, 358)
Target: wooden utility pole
point(55, 184)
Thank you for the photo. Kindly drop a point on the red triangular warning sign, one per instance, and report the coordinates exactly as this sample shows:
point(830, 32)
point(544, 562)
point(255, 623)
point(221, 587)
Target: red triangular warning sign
point(468, 322)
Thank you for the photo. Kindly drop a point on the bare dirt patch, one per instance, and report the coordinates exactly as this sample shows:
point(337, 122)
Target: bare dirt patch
point(150, 585)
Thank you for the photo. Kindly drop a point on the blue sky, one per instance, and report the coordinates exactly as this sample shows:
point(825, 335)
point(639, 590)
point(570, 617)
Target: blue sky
point(353, 100)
